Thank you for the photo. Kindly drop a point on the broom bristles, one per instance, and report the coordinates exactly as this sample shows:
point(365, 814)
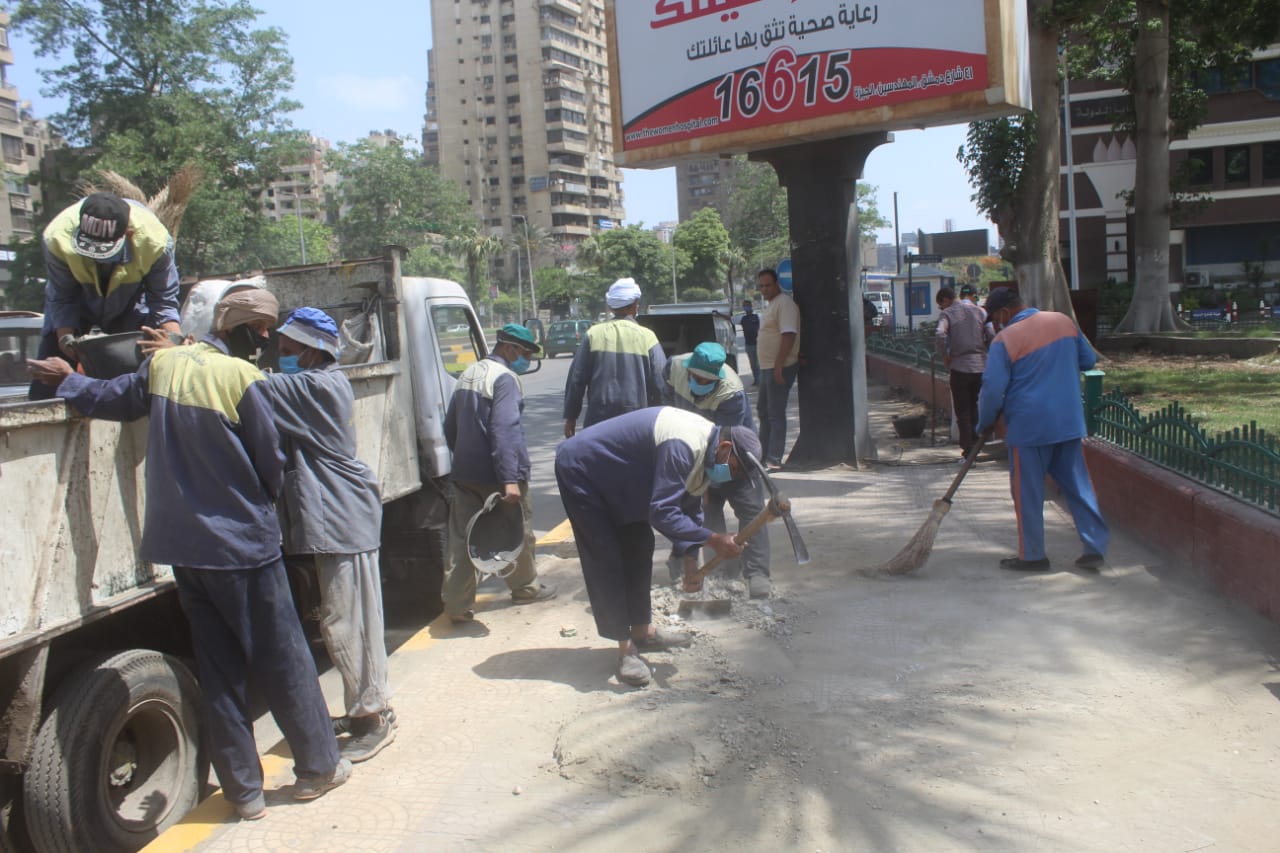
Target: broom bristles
point(916, 552)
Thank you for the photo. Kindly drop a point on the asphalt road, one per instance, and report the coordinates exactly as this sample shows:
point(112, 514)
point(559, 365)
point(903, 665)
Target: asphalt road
point(544, 430)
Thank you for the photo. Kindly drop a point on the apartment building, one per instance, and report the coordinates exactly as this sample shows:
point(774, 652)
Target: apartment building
point(518, 114)
point(23, 142)
point(705, 183)
point(1232, 159)
point(300, 190)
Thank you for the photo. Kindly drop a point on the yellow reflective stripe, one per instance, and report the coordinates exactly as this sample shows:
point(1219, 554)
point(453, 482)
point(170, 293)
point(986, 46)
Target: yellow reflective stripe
point(728, 385)
point(202, 377)
point(148, 242)
point(625, 337)
point(481, 377)
point(692, 429)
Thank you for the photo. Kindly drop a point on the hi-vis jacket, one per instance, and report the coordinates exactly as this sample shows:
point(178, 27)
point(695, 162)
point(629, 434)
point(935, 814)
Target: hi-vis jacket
point(618, 367)
point(1033, 375)
point(646, 466)
point(482, 425)
point(214, 467)
point(73, 297)
point(727, 405)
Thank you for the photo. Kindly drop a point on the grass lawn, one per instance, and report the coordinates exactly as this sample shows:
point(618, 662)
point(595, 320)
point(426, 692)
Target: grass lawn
point(1219, 393)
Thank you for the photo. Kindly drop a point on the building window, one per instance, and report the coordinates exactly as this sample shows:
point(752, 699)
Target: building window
point(1200, 167)
point(1271, 161)
point(12, 148)
point(1236, 158)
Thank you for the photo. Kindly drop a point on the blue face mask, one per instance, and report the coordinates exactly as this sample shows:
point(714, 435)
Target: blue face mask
point(521, 364)
point(719, 473)
point(289, 364)
point(701, 389)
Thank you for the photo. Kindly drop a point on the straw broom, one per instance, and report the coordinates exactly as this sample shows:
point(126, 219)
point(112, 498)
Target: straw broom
point(916, 552)
point(168, 205)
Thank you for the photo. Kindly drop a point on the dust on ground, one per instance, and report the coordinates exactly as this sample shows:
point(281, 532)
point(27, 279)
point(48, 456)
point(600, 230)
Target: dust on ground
point(1144, 360)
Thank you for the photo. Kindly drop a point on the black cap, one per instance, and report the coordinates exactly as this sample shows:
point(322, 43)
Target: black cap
point(968, 290)
point(104, 219)
point(1001, 297)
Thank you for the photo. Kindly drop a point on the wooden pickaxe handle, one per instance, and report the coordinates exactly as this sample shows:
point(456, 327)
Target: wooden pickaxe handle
point(775, 508)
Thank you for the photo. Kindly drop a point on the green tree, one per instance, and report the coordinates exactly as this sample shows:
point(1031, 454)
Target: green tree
point(703, 240)
point(756, 216)
point(429, 260)
point(474, 248)
point(278, 245)
point(388, 196)
point(25, 291)
point(636, 252)
point(870, 219)
point(152, 86)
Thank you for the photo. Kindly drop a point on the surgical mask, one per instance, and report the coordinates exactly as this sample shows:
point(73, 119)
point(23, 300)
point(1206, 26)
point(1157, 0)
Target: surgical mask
point(719, 473)
point(243, 343)
point(701, 389)
point(289, 364)
point(521, 364)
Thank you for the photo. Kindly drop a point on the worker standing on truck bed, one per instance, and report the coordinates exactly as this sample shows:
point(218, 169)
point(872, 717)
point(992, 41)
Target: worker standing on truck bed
point(330, 508)
point(109, 263)
point(618, 365)
point(483, 428)
point(621, 480)
point(699, 382)
point(214, 471)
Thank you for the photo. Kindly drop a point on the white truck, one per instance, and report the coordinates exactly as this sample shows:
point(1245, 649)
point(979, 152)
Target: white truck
point(100, 745)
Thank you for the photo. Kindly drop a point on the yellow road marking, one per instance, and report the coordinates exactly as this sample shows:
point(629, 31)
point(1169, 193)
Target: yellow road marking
point(563, 532)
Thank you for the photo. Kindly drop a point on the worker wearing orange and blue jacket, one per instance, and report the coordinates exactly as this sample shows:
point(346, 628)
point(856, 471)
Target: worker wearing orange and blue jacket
point(1033, 377)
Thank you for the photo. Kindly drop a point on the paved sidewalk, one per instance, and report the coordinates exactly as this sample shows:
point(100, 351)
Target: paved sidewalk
point(960, 708)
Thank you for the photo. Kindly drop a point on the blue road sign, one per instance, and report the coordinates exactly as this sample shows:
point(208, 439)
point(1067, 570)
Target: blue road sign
point(784, 274)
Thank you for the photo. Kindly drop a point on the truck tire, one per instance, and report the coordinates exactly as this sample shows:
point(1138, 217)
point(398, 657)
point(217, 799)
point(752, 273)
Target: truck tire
point(116, 761)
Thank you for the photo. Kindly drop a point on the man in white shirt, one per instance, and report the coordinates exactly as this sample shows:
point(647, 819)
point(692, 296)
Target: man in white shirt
point(778, 351)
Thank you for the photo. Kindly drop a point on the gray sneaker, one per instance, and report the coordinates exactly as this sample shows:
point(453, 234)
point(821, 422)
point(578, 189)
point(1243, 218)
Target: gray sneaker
point(314, 787)
point(255, 809)
point(369, 736)
point(633, 670)
point(759, 586)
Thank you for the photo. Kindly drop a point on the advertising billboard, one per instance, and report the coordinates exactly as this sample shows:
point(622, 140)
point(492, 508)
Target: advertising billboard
point(699, 77)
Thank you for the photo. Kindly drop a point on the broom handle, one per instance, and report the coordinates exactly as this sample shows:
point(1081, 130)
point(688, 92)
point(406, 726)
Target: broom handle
point(964, 469)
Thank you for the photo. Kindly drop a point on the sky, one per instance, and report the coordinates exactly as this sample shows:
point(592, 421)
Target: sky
point(356, 73)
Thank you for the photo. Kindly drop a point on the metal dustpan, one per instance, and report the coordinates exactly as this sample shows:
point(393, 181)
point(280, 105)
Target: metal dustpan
point(495, 537)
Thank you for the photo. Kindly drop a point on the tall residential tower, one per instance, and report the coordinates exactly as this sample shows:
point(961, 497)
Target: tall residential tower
point(518, 114)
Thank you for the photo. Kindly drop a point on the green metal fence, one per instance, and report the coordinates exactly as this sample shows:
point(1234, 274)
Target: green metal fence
point(914, 349)
point(1243, 462)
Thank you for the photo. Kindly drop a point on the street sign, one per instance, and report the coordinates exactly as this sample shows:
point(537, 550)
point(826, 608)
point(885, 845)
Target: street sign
point(784, 274)
point(924, 259)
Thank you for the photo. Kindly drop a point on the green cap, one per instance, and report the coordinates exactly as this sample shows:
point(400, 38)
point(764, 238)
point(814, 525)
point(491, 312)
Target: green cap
point(514, 333)
point(707, 360)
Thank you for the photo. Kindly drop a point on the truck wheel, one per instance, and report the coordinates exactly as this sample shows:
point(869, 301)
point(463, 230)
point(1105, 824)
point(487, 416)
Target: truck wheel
point(116, 761)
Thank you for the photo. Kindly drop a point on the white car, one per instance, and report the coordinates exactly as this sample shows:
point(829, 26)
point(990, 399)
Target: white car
point(19, 341)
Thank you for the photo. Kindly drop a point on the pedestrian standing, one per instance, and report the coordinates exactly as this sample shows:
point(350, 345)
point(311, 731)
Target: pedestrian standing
point(618, 365)
point(214, 471)
point(484, 430)
point(962, 343)
point(1033, 378)
point(778, 348)
point(750, 323)
point(699, 382)
point(331, 510)
point(621, 480)
point(108, 264)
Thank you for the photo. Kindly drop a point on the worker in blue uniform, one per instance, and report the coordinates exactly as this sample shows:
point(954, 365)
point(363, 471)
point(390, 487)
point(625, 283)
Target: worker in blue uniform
point(618, 365)
point(214, 471)
point(1033, 377)
point(623, 479)
point(700, 382)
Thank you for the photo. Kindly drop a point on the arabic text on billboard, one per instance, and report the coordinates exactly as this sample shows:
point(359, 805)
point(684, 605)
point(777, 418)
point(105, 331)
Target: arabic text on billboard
point(744, 64)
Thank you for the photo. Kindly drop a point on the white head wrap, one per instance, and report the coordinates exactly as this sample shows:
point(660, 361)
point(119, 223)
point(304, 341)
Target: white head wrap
point(622, 293)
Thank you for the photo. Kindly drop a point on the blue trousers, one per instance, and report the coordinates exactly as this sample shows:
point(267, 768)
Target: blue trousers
point(1064, 462)
point(771, 405)
point(244, 626)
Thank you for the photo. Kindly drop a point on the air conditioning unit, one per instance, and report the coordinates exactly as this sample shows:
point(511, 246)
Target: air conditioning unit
point(1194, 279)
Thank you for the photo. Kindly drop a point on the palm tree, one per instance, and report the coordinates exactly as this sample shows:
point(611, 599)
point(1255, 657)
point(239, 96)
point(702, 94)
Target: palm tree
point(593, 255)
point(735, 264)
point(474, 248)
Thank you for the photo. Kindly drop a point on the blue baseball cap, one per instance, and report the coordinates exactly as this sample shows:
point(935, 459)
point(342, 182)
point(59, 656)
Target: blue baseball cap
point(313, 328)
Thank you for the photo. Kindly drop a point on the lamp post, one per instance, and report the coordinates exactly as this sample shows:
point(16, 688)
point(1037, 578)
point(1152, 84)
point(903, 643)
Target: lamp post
point(533, 295)
point(675, 293)
point(297, 208)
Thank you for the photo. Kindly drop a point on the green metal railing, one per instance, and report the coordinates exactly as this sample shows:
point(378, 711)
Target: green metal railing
point(1243, 462)
point(914, 349)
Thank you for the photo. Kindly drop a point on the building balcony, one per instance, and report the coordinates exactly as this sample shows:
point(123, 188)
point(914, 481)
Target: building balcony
point(571, 230)
point(571, 209)
point(568, 145)
point(573, 7)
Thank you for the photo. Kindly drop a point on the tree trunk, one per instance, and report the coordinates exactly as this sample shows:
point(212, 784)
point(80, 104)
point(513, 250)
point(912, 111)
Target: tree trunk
point(1038, 256)
point(1151, 309)
point(822, 210)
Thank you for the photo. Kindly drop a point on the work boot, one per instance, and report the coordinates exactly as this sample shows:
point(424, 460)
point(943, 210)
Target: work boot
point(255, 809)
point(759, 586)
point(530, 594)
point(633, 670)
point(342, 725)
point(1090, 562)
point(369, 736)
point(664, 638)
point(1017, 564)
point(314, 787)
